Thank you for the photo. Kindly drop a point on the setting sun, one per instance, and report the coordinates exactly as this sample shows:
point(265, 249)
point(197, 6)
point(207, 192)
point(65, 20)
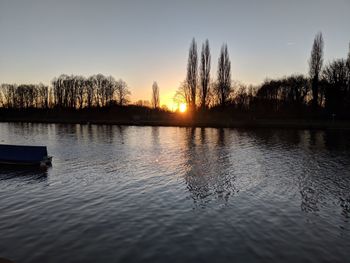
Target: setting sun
point(182, 107)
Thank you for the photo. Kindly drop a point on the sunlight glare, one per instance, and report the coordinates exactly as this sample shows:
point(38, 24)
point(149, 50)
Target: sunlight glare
point(183, 107)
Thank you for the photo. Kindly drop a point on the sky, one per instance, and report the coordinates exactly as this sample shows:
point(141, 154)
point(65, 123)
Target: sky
point(148, 40)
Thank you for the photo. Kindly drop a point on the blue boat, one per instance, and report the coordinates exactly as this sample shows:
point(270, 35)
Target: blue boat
point(24, 155)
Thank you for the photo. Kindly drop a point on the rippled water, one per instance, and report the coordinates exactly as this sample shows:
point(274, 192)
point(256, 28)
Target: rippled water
point(167, 194)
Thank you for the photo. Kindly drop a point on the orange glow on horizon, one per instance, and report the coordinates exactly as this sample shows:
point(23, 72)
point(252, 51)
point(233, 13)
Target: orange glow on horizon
point(167, 98)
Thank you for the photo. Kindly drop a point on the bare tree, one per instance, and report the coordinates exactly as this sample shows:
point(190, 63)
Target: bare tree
point(335, 74)
point(155, 95)
point(315, 66)
point(223, 85)
point(8, 92)
point(60, 86)
point(81, 91)
point(182, 95)
point(122, 92)
point(43, 93)
point(110, 89)
point(192, 74)
point(99, 94)
point(90, 91)
point(205, 74)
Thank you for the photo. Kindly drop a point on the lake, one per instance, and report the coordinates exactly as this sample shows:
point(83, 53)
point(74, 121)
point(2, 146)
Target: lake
point(170, 194)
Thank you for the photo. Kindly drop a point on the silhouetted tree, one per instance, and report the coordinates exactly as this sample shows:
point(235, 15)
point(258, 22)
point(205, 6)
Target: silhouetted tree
point(24, 96)
point(223, 85)
point(110, 90)
point(122, 92)
point(205, 74)
point(43, 92)
point(81, 83)
point(10, 92)
point(77, 92)
point(241, 98)
point(99, 94)
point(244, 97)
point(183, 95)
point(192, 74)
point(268, 94)
point(57, 84)
point(90, 91)
point(155, 95)
point(315, 66)
point(288, 93)
point(335, 74)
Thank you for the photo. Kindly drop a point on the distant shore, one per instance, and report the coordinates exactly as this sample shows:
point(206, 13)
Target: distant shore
point(261, 123)
point(143, 116)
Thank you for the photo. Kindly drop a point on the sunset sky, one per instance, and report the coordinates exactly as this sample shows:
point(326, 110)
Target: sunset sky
point(145, 41)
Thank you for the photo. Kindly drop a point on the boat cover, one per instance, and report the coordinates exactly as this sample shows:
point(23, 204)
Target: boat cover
point(21, 153)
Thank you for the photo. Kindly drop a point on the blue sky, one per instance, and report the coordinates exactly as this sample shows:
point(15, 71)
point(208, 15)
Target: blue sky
point(146, 41)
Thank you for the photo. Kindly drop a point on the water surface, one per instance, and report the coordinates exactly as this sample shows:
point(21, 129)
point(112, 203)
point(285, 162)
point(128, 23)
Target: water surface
point(167, 194)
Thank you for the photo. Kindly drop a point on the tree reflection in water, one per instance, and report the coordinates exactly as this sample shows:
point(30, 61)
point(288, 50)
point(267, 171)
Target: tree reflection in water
point(209, 172)
point(220, 164)
point(322, 170)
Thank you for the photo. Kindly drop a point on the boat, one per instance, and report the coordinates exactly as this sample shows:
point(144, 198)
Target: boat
point(24, 155)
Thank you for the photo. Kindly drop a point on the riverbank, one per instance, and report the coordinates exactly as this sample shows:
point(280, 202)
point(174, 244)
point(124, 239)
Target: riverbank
point(261, 123)
point(142, 116)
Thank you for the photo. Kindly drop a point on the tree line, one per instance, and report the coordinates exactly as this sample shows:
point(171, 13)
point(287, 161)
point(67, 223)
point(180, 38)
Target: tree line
point(67, 92)
point(326, 89)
